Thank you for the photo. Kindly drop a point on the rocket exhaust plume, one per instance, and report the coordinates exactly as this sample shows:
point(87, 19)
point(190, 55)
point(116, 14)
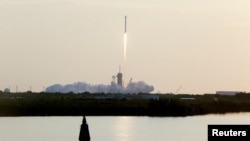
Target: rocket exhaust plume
point(125, 41)
point(125, 50)
point(125, 47)
point(81, 87)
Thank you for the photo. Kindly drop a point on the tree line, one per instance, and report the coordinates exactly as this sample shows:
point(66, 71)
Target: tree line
point(56, 104)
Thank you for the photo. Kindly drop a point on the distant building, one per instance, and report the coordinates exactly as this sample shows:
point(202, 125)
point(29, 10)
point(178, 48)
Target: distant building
point(126, 96)
point(148, 96)
point(187, 98)
point(6, 90)
point(232, 93)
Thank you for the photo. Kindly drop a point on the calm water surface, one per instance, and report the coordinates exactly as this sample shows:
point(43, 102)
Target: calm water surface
point(115, 128)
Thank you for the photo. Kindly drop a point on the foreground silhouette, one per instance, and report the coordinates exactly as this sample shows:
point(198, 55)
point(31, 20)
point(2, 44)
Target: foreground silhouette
point(84, 131)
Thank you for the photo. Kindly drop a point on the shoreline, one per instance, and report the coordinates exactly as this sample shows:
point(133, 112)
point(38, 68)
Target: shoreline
point(168, 105)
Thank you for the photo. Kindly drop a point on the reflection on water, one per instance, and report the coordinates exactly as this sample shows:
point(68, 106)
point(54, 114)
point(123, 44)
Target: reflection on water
point(114, 128)
point(123, 129)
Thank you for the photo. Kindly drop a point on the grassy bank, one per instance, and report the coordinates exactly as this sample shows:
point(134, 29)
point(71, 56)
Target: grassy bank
point(56, 104)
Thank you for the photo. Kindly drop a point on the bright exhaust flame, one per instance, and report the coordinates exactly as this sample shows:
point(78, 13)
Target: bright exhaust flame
point(125, 60)
point(125, 47)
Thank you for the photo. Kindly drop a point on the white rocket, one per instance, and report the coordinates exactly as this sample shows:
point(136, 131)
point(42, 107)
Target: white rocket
point(125, 24)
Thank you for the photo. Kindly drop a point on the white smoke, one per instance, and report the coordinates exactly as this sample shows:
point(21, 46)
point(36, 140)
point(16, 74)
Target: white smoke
point(81, 87)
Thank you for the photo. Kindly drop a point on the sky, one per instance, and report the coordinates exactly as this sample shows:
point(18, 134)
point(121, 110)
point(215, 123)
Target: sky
point(180, 46)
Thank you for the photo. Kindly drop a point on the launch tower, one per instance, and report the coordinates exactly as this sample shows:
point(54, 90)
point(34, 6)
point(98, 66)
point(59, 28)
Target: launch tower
point(119, 77)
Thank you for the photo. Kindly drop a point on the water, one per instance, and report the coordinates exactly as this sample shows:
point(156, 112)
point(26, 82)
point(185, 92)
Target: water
point(114, 128)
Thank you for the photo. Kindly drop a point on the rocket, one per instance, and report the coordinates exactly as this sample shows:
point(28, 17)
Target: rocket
point(125, 24)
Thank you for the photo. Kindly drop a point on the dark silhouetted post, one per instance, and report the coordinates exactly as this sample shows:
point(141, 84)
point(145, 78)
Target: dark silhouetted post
point(84, 131)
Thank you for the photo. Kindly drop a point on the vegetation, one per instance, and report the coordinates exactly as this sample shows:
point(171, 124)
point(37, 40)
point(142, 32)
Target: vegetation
point(56, 104)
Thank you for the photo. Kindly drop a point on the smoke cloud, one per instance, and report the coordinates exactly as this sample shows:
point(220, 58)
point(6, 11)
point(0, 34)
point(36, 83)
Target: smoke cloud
point(81, 87)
